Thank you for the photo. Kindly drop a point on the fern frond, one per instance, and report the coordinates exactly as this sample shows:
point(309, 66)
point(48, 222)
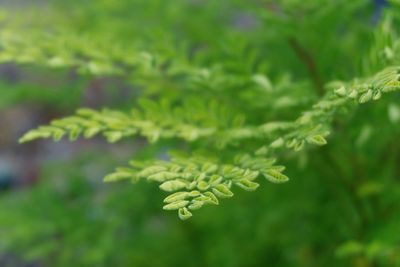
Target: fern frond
point(115, 125)
point(195, 182)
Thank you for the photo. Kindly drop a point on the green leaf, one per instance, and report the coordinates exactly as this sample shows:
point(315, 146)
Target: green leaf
point(275, 176)
point(161, 176)
point(117, 176)
point(208, 198)
point(366, 96)
point(247, 185)
point(173, 185)
point(33, 135)
point(278, 143)
point(195, 205)
point(176, 197)
point(203, 185)
point(113, 136)
point(176, 205)
point(341, 91)
point(184, 214)
point(318, 140)
point(146, 172)
point(222, 191)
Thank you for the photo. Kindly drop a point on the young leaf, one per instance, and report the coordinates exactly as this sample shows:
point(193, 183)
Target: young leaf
point(275, 176)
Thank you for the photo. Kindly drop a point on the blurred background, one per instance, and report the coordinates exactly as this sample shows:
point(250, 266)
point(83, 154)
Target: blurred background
point(341, 207)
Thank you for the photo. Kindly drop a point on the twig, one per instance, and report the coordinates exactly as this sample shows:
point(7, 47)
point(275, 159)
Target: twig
point(307, 58)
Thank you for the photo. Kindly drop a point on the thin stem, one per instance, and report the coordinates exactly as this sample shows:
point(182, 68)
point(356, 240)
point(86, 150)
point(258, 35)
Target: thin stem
point(307, 58)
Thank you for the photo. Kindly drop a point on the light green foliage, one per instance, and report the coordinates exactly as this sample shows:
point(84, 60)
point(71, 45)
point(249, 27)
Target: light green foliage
point(156, 121)
point(200, 181)
point(208, 99)
point(239, 91)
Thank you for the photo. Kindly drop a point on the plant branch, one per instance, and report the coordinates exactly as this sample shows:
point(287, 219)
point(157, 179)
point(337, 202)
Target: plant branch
point(307, 58)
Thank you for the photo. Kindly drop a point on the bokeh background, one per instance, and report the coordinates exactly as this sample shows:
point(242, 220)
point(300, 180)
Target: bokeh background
point(341, 207)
